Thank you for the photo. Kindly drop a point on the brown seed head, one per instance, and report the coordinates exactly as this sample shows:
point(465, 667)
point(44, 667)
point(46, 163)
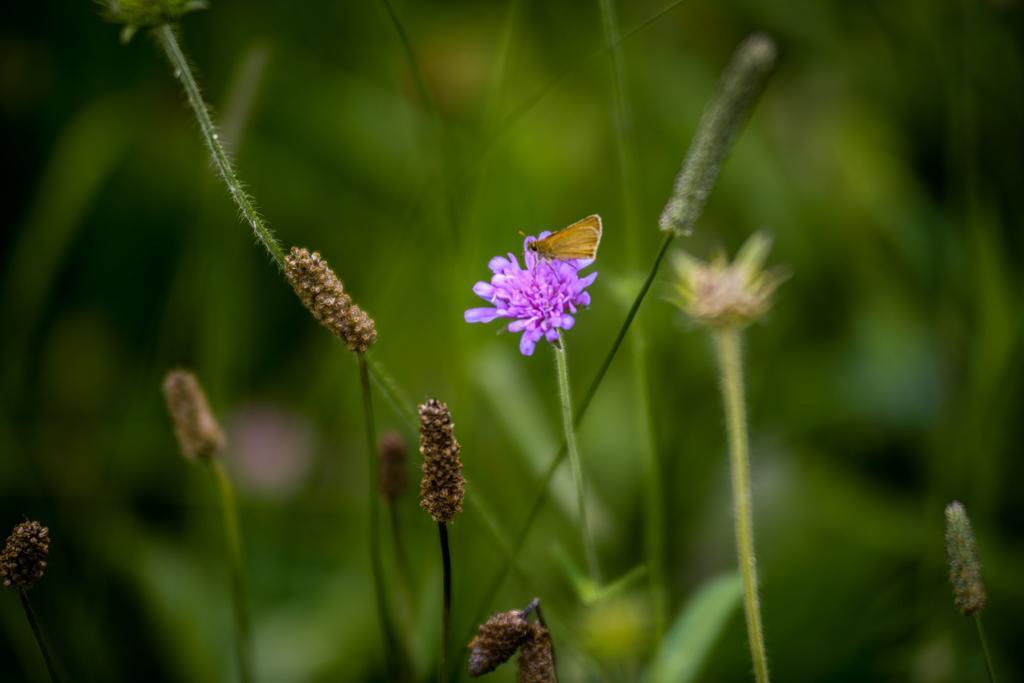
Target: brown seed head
point(323, 294)
point(199, 435)
point(23, 559)
point(496, 641)
point(537, 658)
point(392, 465)
point(964, 568)
point(442, 487)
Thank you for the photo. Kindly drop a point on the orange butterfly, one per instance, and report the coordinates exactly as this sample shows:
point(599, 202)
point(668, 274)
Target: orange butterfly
point(579, 241)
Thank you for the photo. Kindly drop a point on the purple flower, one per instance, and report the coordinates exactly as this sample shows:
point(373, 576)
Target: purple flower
point(540, 298)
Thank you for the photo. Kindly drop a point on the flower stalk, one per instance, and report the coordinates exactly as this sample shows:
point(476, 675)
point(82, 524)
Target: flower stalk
point(742, 82)
point(730, 365)
point(23, 561)
point(236, 568)
point(37, 632)
point(442, 490)
point(377, 565)
point(569, 427)
point(167, 40)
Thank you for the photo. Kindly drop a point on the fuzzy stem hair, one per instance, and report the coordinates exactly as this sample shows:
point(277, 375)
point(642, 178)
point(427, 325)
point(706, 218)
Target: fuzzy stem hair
point(730, 365)
point(167, 39)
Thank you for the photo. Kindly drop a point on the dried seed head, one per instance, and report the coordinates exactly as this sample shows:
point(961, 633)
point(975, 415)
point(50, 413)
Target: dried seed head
point(537, 658)
point(23, 559)
point(136, 14)
point(323, 294)
point(724, 294)
point(441, 489)
point(496, 641)
point(392, 465)
point(199, 435)
point(964, 568)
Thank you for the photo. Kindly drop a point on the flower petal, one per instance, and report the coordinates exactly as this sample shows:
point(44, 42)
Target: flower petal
point(527, 344)
point(484, 290)
point(481, 315)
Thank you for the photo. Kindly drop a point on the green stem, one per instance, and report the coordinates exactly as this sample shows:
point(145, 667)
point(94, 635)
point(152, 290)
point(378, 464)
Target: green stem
point(392, 653)
point(549, 474)
point(984, 648)
point(233, 535)
point(183, 72)
point(30, 615)
point(730, 365)
point(654, 507)
point(565, 396)
point(446, 614)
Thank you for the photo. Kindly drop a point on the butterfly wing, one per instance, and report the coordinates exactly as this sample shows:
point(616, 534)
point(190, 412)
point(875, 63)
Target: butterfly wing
point(579, 241)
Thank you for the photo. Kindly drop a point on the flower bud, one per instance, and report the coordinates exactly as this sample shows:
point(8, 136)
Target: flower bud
point(964, 568)
point(537, 658)
point(442, 486)
point(23, 559)
point(136, 14)
point(723, 294)
point(199, 434)
point(392, 465)
point(322, 293)
point(496, 641)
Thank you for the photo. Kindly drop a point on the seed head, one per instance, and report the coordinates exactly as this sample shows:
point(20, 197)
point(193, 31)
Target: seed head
point(323, 294)
point(23, 559)
point(442, 486)
point(392, 465)
point(723, 294)
point(537, 658)
point(964, 568)
point(496, 641)
point(199, 435)
point(136, 14)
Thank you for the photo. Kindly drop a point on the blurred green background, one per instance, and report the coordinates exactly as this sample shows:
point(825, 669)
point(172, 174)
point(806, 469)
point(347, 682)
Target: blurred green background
point(884, 158)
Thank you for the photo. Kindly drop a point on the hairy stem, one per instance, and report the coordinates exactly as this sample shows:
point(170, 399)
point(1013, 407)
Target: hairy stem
point(236, 568)
point(446, 613)
point(183, 72)
point(30, 615)
point(984, 648)
point(730, 366)
point(588, 397)
point(565, 397)
point(394, 657)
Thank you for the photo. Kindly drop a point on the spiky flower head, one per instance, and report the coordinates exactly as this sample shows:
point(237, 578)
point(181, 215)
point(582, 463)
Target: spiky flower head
point(392, 465)
point(540, 299)
point(199, 434)
point(496, 641)
point(723, 294)
point(442, 486)
point(537, 657)
point(136, 14)
point(23, 559)
point(322, 293)
point(964, 568)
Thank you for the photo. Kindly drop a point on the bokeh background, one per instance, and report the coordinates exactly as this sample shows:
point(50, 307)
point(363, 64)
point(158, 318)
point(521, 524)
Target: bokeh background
point(884, 158)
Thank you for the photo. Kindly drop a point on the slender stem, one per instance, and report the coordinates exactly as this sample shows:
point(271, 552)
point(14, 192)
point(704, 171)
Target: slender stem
point(236, 567)
point(30, 615)
point(984, 648)
point(446, 614)
point(565, 396)
point(545, 482)
point(392, 653)
point(183, 72)
point(730, 365)
point(654, 507)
